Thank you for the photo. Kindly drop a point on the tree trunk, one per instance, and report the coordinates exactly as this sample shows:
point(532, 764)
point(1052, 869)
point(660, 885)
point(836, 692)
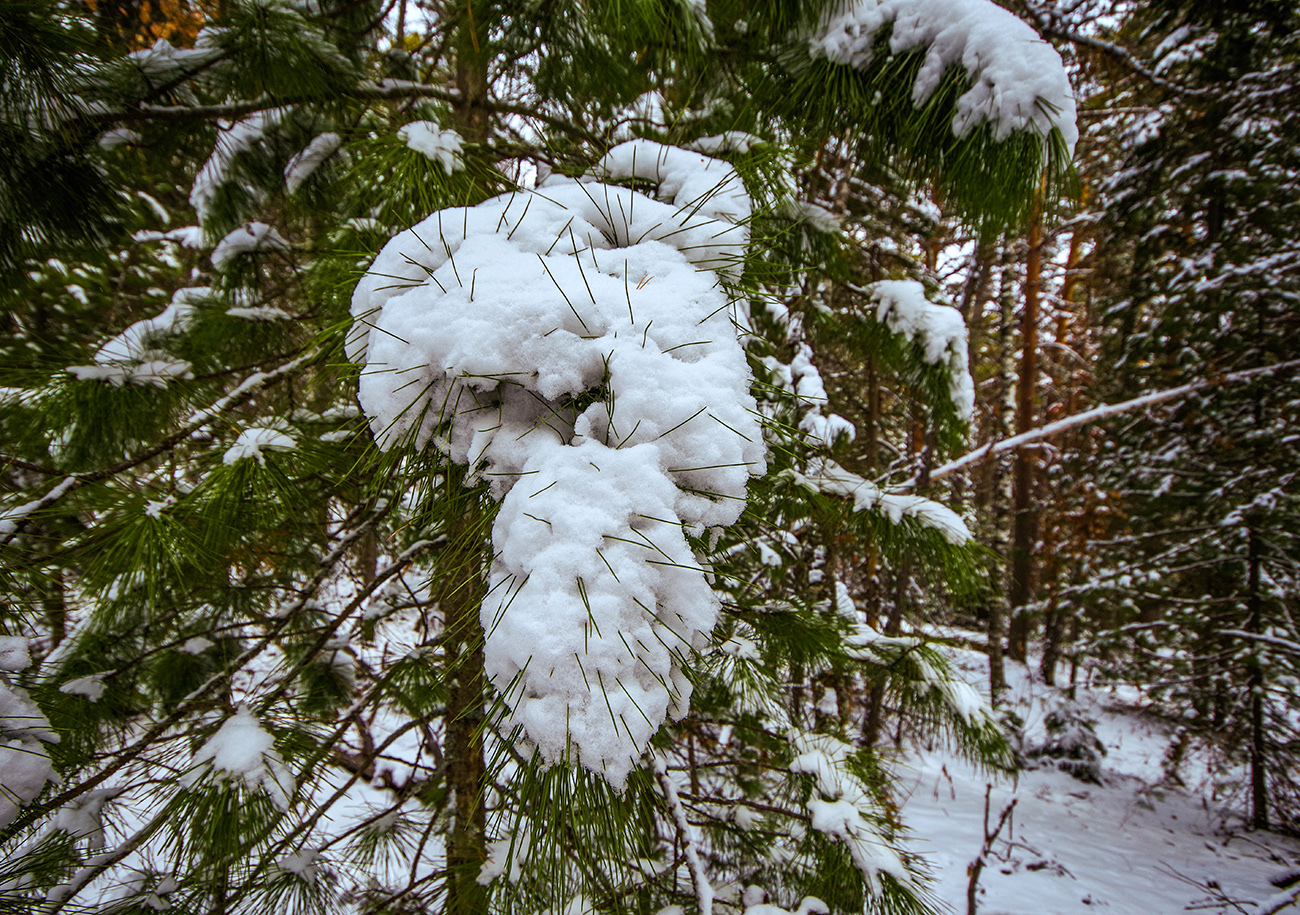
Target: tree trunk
point(1025, 530)
point(1255, 683)
point(459, 597)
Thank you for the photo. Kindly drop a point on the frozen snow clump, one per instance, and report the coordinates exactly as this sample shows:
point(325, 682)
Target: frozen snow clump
point(575, 347)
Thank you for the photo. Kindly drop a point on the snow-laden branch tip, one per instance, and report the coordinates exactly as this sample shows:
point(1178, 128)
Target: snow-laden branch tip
point(1017, 81)
point(992, 449)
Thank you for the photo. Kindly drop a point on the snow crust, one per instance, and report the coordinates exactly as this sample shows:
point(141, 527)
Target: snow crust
point(442, 146)
point(939, 329)
point(575, 347)
point(243, 751)
point(233, 140)
point(1018, 81)
point(14, 655)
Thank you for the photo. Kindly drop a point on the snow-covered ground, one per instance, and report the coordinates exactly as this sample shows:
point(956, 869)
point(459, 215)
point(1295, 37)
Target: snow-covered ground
point(1129, 846)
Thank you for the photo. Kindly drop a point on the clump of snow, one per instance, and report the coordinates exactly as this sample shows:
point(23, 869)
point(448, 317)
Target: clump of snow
point(442, 146)
point(83, 818)
point(576, 348)
point(255, 440)
point(232, 140)
point(24, 763)
point(134, 357)
point(256, 236)
point(302, 865)
point(829, 477)
point(185, 236)
point(13, 654)
point(118, 136)
point(196, 645)
point(260, 313)
point(845, 808)
point(508, 853)
point(305, 162)
point(243, 751)
point(90, 687)
point(939, 329)
point(736, 141)
point(1018, 81)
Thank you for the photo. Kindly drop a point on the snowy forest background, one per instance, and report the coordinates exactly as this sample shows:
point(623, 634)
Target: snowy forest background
point(642, 456)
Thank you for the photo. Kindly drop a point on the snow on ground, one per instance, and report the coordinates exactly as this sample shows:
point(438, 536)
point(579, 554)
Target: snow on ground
point(1129, 846)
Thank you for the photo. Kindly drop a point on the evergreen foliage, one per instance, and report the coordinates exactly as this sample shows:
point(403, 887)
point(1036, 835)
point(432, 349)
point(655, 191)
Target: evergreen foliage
point(241, 655)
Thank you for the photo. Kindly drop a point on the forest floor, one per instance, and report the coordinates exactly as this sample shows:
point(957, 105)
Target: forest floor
point(1137, 843)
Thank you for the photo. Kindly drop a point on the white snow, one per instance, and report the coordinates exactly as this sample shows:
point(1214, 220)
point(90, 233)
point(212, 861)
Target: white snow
point(939, 329)
point(232, 140)
point(134, 356)
point(196, 645)
point(242, 750)
point(255, 236)
point(82, 818)
point(255, 440)
point(302, 865)
point(118, 136)
point(91, 687)
point(1018, 81)
point(13, 654)
point(1134, 845)
point(305, 162)
point(488, 322)
point(260, 313)
point(24, 763)
point(829, 477)
point(442, 146)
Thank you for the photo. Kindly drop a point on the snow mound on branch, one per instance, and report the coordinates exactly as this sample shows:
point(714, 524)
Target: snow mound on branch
point(575, 347)
point(24, 763)
point(1018, 81)
point(254, 441)
point(256, 236)
point(428, 139)
point(232, 141)
point(134, 357)
point(242, 750)
point(845, 809)
point(939, 330)
point(304, 163)
point(829, 477)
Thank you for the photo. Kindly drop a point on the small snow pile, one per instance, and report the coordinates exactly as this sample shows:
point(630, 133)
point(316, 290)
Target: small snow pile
point(89, 687)
point(754, 899)
point(83, 818)
point(1072, 742)
point(233, 140)
point(305, 162)
point(302, 865)
point(14, 655)
point(509, 853)
point(241, 750)
point(428, 139)
point(844, 808)
point(1018, 81)
point(134, 356)
point(811, 392)
point(24, 764)
point(830, 478)
point(256, 236)
point(575, 347)
point(940, 331)
point(255, 440)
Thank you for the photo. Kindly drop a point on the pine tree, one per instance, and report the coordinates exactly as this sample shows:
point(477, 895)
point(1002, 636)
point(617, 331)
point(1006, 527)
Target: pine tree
point(268, 554)
point(1196, 571)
